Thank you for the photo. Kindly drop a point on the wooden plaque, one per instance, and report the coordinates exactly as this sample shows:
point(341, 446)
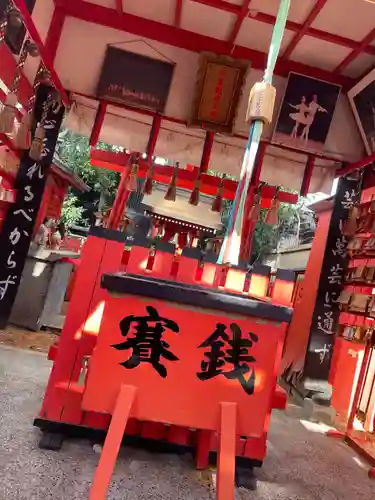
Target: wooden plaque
point(219, 88)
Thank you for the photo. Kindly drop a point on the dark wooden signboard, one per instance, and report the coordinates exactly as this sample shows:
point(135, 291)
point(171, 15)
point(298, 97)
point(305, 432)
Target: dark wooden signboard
point(135, 80)
point(219, 87)
point(17, 230)
point(326, 312)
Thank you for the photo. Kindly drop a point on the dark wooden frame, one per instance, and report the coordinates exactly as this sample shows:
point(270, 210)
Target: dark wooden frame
point(102, 94)
point(205, 61)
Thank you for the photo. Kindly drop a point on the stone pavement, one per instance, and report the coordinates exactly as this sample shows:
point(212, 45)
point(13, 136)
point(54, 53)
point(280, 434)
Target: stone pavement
point(302, 464)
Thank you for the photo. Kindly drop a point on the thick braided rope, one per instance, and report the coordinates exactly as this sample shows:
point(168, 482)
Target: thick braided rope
point(4, 22)
point(20, 66)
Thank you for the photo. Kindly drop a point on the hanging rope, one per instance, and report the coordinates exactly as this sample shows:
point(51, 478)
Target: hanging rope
point(230, 249)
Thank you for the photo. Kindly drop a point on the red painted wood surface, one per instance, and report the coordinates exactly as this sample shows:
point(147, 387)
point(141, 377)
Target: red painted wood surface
point(166, 402)
point(346, 361)
point(63, 397)
point(169, 34)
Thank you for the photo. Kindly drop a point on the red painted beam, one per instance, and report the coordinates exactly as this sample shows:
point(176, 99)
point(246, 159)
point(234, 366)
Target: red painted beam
point(240, 19)
point(55, 31)
point(351, 167)
point(119, 6)
point(304, 28)
point(178, 13)
point(188, 40)
point(182, 122)
point(7, 72)
point(186, 179)
point(221, 5)
point(369, 38)
point(43, 50)
point(263, 17)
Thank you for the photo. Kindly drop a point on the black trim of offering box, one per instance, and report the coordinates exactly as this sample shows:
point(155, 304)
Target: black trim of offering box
point(194, 295)
point(107, 234)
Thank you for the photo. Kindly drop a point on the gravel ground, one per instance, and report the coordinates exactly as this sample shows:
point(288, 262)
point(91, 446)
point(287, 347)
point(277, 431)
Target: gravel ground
point(302, 463)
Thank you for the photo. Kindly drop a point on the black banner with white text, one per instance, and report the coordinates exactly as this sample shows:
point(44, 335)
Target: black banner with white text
point(17, 230)
point(326, 313)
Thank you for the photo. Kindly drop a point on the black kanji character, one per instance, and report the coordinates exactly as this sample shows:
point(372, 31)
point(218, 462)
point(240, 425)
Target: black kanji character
point(235, 353)
point(147, 344)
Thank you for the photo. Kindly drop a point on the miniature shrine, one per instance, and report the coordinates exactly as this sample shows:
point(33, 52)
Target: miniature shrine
point(252, 108)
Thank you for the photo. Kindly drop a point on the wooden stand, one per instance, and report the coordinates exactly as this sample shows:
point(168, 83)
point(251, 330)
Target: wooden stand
point(112, 444)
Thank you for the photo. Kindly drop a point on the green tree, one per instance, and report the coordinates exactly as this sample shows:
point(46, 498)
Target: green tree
point(74, 151)
point(72, 212)
point(266, 237)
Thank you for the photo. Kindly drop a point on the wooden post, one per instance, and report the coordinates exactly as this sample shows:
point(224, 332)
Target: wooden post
point(119, 205)
point(206, 154)
point(259, 164)
point(112, 443)
point(307, 175)
point(155, 129)
point(98, 123)
point(227, 452)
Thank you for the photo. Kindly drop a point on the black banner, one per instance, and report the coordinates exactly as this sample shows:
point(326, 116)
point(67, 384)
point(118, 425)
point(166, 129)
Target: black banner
point(135, 80)
point(16, 233)
point(327, 311)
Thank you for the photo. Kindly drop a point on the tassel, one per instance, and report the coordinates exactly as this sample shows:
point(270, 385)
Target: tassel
point(8, 114)
point(4, 22)
point(12, 162)
point(194, 197)
point(15, 18)
point(171, 193)
point(132, 184)
point(217, 203)
point(37, 145)
point(256, 207)
point(149, 180)
point(272, 218)
point(36, 148)
point(23, 137)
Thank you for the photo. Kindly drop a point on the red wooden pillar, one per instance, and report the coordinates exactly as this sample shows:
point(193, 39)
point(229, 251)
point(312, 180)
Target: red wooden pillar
point(307, 175)
point(121, 197)
point(255, 181)
point(102, 253)
point(98, 123)
point(206, 154)
point(249, 225)
point(55, 31)
point(155, 129)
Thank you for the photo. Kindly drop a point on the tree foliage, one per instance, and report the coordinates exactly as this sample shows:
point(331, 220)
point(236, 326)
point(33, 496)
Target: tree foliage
point(266, 237)
point(72, 213)
point(74, 151)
